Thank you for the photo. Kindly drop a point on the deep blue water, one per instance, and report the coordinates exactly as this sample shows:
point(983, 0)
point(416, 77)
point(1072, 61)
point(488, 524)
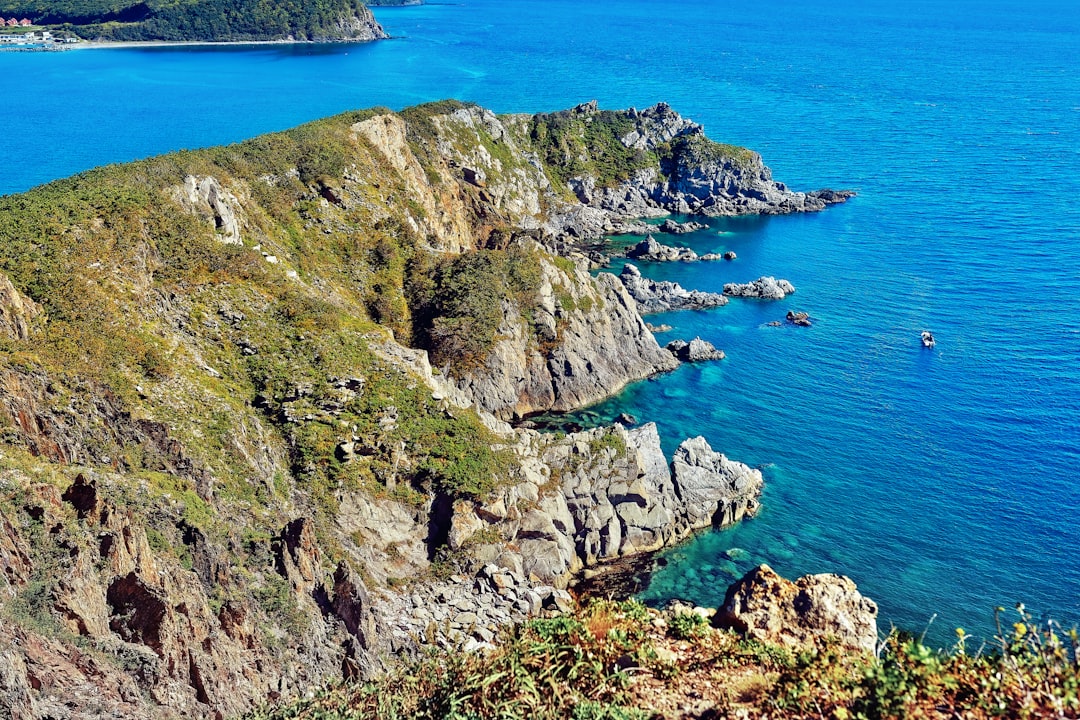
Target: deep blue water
point(944, 481)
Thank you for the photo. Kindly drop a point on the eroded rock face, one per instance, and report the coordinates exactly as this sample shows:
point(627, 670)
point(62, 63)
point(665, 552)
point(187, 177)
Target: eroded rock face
point(361, 26)
point(712, 488)
point(768, 607)
point(596, 344)
point(602, 494)
point(205, 194)
point(17, 312)
point(664, 296)
point(764, 288)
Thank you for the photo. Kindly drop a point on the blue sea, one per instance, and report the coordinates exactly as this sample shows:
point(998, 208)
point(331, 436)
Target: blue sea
point(945, 482)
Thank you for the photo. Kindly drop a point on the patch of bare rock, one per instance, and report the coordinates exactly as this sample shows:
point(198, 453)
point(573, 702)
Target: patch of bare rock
point(765, 606)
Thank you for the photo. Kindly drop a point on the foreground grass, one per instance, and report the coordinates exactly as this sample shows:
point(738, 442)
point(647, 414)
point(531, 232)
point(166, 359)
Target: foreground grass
point(614, 661)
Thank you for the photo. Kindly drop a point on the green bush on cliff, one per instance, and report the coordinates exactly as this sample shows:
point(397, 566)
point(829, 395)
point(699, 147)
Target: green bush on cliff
point(546, 669)
point(459, 306)
point(572, 144)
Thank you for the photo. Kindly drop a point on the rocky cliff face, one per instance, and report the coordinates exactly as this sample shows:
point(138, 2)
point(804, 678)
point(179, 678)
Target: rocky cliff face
point(682, 171)
point(227, 467)
point(587, 341)
point(606, 493)
point(359, 27)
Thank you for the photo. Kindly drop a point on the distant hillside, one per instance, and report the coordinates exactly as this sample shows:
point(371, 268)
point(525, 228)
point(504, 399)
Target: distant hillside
point(208, 20)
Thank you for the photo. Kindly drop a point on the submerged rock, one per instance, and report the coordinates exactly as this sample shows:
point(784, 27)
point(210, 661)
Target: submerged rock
point(798, 318)
point(764, 288)
point(664, 296)
point(767, 607)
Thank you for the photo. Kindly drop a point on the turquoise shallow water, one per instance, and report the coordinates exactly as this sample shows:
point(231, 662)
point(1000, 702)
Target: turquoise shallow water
point(943, 482)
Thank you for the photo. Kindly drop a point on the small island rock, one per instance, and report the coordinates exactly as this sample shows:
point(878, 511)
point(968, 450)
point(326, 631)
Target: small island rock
point(676, 228)
point(730, 255)
point(650, 249)
point(798, 318)
point(764, 288)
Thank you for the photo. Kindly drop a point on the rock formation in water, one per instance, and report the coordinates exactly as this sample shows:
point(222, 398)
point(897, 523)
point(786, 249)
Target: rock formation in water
point(649, 249)
point(654, 296)
point(799, 318)
point(677, 228)
point(764, 288)
point(697, 350)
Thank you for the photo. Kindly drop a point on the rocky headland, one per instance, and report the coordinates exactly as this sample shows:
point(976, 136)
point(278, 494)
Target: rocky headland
point(254, 399)
point(128, 23)
point(692, 175)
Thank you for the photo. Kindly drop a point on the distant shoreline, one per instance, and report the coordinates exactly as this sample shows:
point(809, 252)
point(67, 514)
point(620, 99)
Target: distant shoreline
point(137, 44)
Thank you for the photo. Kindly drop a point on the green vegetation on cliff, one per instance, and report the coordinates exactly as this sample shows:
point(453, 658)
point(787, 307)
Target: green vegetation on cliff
point(214, 357)
point(199, 20)
point(574, 144)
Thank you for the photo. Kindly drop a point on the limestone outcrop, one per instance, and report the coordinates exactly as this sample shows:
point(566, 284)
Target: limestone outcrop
point(764, 288)
point(652, 296)
point(206, 195)
point(765, 606)
point(17, 312)
point(606, 493)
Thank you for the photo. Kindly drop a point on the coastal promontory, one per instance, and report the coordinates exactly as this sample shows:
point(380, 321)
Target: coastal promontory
point(255, 401)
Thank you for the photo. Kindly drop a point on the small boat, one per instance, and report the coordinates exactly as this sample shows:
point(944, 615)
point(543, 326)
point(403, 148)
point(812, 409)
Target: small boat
point(928, 339)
